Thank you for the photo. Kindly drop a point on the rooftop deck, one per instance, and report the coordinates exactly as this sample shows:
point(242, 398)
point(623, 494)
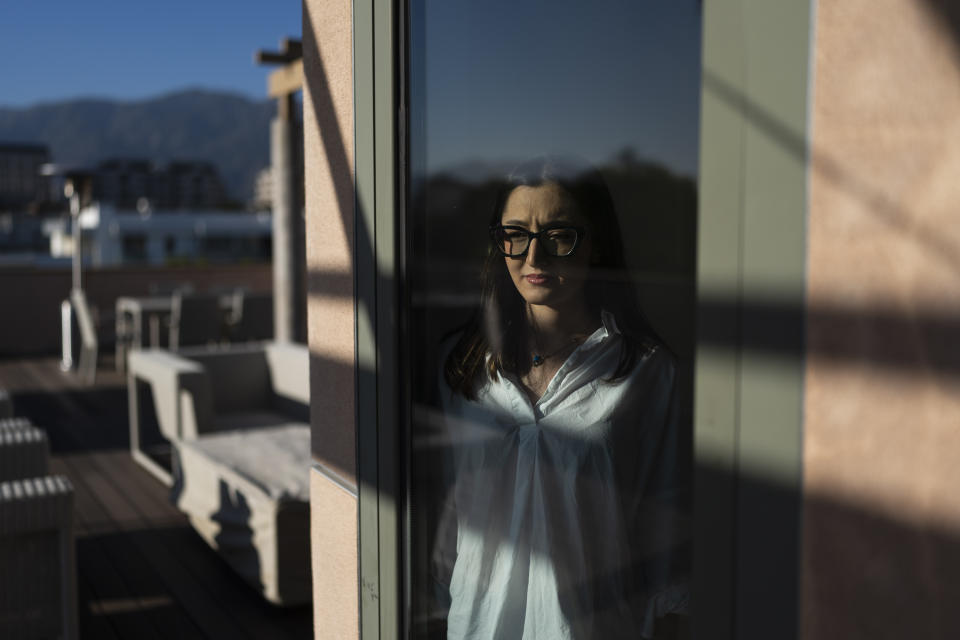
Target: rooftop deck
point(142, 572)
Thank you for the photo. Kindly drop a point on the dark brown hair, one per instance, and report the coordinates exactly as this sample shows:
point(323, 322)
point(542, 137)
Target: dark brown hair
point(500, 328)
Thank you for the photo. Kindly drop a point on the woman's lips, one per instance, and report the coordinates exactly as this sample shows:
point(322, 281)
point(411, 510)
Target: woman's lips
point(537, 278)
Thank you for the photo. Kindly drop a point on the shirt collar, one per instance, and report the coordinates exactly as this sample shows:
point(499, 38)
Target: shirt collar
point(609, 323)
point(608, 327)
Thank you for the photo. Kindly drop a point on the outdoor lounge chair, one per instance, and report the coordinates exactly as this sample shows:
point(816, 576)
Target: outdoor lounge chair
point(251, 317)
point(24, 450)
point(195, 319)
point(238, 422)
point(37, 559)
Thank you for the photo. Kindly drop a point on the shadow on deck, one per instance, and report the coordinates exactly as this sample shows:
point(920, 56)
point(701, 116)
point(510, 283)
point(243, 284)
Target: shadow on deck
point(142, 572)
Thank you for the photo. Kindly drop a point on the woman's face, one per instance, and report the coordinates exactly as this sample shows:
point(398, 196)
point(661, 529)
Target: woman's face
point(540, 278)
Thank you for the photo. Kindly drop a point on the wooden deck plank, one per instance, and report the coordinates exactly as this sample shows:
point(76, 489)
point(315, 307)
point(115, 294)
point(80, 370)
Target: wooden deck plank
point(259, 617)
point(152, 497)
point(266, 619)
point(143, 594)
point(200, 605)
point(113, 587)
point(76, 418)
point(99, 565)
point(112, 600)
point(148, 594)
point(90, 625)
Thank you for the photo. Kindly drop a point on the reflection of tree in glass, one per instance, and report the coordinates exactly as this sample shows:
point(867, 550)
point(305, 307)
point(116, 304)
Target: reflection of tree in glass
point(657, 215)
point(657, 210)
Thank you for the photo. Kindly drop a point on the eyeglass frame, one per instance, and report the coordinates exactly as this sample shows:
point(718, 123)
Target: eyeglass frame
point(531, 235)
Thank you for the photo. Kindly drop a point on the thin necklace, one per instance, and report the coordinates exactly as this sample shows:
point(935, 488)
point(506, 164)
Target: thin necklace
point(539, 359)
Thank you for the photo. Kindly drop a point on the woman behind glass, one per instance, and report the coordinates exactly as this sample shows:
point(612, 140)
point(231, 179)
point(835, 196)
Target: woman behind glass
point(562, 414)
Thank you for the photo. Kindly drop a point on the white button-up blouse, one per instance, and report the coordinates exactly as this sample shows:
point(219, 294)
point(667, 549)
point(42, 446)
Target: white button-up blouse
point(566, 508)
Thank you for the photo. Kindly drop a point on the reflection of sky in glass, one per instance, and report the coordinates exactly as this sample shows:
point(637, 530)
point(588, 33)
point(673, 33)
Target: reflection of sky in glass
point(510, 80)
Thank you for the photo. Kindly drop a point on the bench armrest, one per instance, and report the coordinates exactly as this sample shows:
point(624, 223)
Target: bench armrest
point(289, 370)
point(181, 392)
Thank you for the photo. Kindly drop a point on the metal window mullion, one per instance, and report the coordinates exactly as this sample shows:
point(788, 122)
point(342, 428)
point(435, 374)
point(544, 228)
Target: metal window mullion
point(717, 365)
point(365, 310)
point(388, 310)
point(769, 451)
point(749, 369)
point(376, 317)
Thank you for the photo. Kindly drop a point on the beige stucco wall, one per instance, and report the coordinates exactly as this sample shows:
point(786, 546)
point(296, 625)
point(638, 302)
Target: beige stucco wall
point(881, 536)
point(329, 200)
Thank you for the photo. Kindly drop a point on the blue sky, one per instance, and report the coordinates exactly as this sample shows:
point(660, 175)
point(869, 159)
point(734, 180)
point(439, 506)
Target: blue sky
point(501, 79)
point(132, 49)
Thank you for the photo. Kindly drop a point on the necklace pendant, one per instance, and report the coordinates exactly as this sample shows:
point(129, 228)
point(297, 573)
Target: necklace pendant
point(537, 360)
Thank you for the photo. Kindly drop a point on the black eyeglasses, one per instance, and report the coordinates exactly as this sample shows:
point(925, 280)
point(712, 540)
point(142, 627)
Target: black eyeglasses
point(514, 242)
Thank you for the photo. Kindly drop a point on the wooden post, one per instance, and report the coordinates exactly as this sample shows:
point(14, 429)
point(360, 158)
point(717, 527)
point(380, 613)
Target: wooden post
point(289, 241)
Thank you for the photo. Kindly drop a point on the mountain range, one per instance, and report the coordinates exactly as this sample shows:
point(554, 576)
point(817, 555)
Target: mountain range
point(229, 130)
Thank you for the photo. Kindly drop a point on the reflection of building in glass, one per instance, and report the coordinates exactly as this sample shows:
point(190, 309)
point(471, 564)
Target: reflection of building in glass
point(113, 236)
point(21, 182)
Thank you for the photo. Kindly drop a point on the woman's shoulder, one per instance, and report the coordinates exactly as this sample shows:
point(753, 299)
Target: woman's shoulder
point(656, 360)
point(658, 353)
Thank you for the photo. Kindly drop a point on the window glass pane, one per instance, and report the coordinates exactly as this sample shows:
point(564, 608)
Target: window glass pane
point(550, 242)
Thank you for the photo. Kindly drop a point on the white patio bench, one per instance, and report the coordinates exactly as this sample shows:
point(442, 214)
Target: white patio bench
point(238, 422)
